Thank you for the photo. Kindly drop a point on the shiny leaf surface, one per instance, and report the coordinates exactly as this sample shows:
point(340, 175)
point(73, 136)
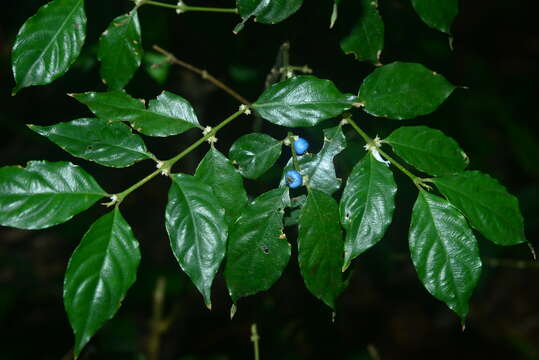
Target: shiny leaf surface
point(197, 230)
point(302, 101)
point(44, 194)
point(438, 14)
point(255, 154)
point(266, 11)
point(48, 43)
point(101, 270)
point(403, 91)
point(321, 247)
point(257, 250)
point(367, 206)
point(444, 251)
point(108, 144)
point(488, 206)
point(428, 150)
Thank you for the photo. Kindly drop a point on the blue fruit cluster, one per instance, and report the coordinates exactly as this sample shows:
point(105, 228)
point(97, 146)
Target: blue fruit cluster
point(294, 178)
point(300, 146)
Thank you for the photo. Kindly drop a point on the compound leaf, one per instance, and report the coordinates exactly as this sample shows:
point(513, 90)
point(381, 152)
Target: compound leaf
point(255, 154)
point(438, 14)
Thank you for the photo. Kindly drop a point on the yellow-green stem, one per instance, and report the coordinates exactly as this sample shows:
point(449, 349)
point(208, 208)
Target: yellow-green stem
point(185, 8)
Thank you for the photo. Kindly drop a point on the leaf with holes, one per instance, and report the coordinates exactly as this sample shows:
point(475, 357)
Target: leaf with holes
point(366, 40)
point(488, 206)
point(108, 144)
point(120, 50)
point(444, 251)
point(403, 91)
point(321, 247)
point(44, 194)
point(167, 115)
point(302, 101)
point(438, 14)
point(257, 251)
point(101, 270)
point(266, 11)
point(255, 154)
point(428, 150)
point(48, 43)
point(367, 206)
point(197, 230)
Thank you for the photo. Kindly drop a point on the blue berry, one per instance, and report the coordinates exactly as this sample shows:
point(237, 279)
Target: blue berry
point(293, 179)
point(300, 146)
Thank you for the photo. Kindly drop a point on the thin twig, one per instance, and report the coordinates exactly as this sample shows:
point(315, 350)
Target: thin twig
point(255, 338)
point(203, 73)
point(154, 340)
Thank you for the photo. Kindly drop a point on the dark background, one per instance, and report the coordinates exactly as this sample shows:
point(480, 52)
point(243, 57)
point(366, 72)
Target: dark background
point(385, 307)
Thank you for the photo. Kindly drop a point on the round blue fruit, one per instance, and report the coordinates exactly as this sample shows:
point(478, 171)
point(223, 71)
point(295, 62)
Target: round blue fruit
point(301, 145)
point(293, 179)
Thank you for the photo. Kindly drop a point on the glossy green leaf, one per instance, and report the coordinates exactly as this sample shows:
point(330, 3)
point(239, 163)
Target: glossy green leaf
point(438, 14)
point(367, 206)
point(101, 270)
point(366, 40)
point(48, 43)
point(488, 206)
point(321, 247)
point(302, 101)
point(266, 11)
point(167, 115)
point(403, 91)
point(428, 150)
point(120, 50)
point(44, 194)
point(227, 184)
point(444, 251)
point(257, 250)
point(255, 154)
point(318, 170)
point(109, 144)
point(197, 230)
point(157, 66)
point(296, 204)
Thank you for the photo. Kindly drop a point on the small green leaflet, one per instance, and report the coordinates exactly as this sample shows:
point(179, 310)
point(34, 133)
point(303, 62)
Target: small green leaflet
point(157, 66)
point(197, 230)
point(302, 101)
point(444, 251)
point(367, 206)
point(48, 43)
point(44, 194)
point(255, 154)
point(120, 50)
point(438, 14)
point(108, 144)
point(321, 247)
point(266, 11)
point(488, 206)
point(167, 115)
point(101, 270)
point(428, 150)
point(227, 184)
point(318, 170)
point(403, 91)
point(366, 40)
point(257, 251)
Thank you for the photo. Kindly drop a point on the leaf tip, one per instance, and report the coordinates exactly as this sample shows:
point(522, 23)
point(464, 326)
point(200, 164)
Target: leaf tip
point(208, 305)
point(532, 250)
point(233, 310)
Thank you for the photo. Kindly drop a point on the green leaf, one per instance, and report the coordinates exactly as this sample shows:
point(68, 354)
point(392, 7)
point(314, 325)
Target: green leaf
point(48, 43)
point(120, 50)
point(296, 204)
point(266, 11)
point(257, 249)
point(197, 230)
point(428, 150)
point(101, 270)
point(438, 14)
point(367, 206)
point(167, 115)
point(321, 247)
point(45, 194)
point(488, 206)
point(318, 170)
point(255, 154)
point(157, 66)
point(444, 251)
point(227, 184)
point(108, 144)
point(302, 101)
point(403, 91)
point(366, 40)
